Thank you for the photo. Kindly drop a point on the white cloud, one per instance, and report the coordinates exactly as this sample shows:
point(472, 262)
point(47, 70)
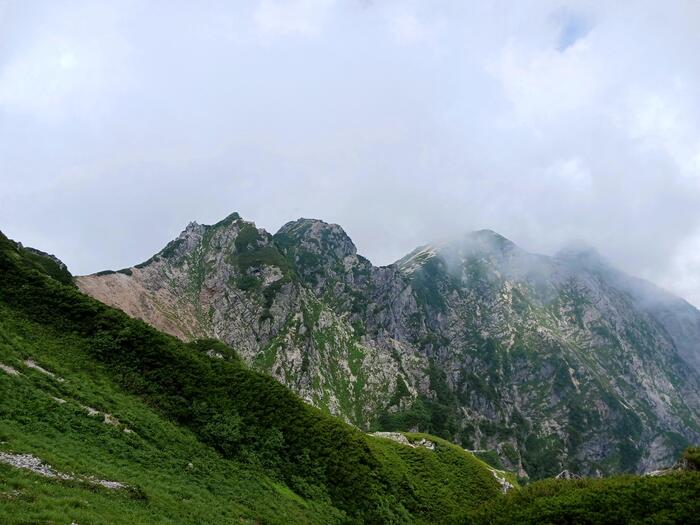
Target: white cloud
point(275, 18)
point(683, 275)
point(667, 123)
point(35, 81)
point(541, 84)
point(68, 60)
point(404, 121)
point(65, 68)
point(407, 28)
point(570, 175)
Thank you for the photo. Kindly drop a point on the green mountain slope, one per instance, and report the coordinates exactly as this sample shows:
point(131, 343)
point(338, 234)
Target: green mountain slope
point(193, 435)
point(672, 498)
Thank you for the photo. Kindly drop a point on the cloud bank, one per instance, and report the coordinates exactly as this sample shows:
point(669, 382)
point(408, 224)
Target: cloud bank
point(405, 122)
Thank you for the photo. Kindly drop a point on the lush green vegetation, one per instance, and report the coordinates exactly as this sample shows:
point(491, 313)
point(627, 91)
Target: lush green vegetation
point(254, 250)
point(154, 459)
point(691, 458)
point(665, 499)
point(211, 440)
point(432, 482)
point(44, 263)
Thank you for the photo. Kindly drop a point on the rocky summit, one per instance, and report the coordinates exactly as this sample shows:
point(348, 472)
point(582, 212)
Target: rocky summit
point(552, 362)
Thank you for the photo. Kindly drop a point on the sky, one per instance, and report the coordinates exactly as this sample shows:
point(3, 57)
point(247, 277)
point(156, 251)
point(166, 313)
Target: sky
point(405, 122)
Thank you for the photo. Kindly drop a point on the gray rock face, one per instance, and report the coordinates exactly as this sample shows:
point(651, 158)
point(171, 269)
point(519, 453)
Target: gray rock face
point(36, 465)
point(554, 362)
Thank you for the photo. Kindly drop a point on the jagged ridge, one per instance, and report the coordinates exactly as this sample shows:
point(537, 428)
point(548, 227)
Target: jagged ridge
point(554, 362)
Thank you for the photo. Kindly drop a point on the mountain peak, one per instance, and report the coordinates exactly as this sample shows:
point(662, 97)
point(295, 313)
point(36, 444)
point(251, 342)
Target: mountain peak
point(489, 240)
point(317, 237)
point(229, 219)
point(474, 243)
point(582, 255)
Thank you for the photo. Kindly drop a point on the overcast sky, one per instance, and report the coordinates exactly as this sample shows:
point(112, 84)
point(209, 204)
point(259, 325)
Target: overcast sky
point(405, 122)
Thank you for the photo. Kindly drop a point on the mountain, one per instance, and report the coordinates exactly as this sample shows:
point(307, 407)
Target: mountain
point(105, 420)
point(552, 363)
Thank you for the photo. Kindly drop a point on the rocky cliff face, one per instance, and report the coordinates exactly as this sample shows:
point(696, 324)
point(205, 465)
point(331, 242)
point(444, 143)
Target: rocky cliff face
point(554, 362)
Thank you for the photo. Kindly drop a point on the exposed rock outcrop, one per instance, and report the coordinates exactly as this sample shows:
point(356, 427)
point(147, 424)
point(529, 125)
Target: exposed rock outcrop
point(554, 362)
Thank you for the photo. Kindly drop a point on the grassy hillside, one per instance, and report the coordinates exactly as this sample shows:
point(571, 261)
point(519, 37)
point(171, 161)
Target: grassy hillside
point(196, 436)
point(442, 474)
point(671, 497)
point(668, 499)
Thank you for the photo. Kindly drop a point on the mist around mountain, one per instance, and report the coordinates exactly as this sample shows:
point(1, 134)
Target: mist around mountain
point(542, 363)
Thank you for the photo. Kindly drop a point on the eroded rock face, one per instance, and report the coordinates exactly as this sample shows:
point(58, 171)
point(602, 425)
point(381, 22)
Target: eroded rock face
point(234, 282)
point(554, 362)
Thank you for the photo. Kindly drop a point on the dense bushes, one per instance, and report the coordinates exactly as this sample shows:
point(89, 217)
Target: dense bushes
point(622, 499)
point(691, 458)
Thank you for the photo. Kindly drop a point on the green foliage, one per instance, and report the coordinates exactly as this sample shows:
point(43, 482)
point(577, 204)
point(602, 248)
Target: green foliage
point(490, 457)
point(175, 477)
point(622, 499)
point(434, 416)
point(247, 237)
point(540, 455)
point(425, 284)
point(43, 262)
point(194, 390)
point(248, 283)
point(146, 263)
point(230, 219)
point(266, 255)
point(415, 417)
point(223, 431)
point(692, 458)
point(214, 346)
point(510, 452)
point(358, 328)
point(252, 253)
point(423, 415)
point(171, 248)
point(436, 484)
